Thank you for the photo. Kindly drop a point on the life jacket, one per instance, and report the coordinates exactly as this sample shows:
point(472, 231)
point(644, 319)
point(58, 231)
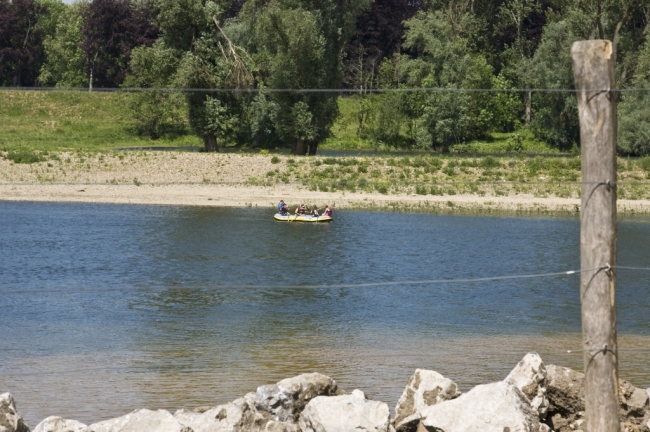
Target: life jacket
point(280, 207)
point(328, 212)
point(302, 210)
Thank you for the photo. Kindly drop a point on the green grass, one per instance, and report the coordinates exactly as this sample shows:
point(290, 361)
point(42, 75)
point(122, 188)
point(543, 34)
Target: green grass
point(53, 121)
point(452, 174)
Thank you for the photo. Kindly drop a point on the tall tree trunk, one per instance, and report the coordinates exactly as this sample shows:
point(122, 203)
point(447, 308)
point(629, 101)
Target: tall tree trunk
point(210, 143)
point(256, 141)
point(92, 69)
point(528, 110)
point(313, 148)
point(299, 147)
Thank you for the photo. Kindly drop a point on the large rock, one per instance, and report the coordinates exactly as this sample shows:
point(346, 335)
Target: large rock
point(278, 426)
point(58, 424)
point(565, 390)
point(345, 413)
point(529, 376)
point(237, 416)
point(493, 407)
point(286, 399)
point(424, 388)
point(140, 421)
point(566, 393)
point(10, 420)
point(634, 401)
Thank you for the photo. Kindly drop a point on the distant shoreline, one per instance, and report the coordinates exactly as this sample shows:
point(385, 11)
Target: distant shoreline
point(267, 197)
point(417, 184)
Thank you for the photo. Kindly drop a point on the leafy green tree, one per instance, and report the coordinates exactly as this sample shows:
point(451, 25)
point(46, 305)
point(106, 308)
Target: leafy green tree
point(556, 113)
point(634, 111)
point(155, 111)
point(182, 22)
point(111, 29)
point(261, 112)
point(193, 52)
point(297, 44)
point(20, 42)
point(514, 14)
point(215, 62)
point(505, 107)
point(445, 59)
point(64, 58)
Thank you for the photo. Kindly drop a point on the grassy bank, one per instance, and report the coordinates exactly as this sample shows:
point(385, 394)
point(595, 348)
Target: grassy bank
point(58, 121)
point(539, 177)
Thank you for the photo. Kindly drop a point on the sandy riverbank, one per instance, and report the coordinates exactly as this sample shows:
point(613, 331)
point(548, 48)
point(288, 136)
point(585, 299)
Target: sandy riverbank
point(256, 196)
point(243, 181)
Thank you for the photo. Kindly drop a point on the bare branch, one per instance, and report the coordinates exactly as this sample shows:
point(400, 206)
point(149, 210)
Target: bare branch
point(240, 74)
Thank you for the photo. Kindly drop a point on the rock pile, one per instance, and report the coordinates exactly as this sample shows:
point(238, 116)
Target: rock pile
point(532, 398)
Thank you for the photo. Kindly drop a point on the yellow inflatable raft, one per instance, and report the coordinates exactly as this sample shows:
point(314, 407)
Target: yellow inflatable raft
point(302, 218)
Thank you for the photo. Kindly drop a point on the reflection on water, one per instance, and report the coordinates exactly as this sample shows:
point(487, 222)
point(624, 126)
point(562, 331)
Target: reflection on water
point(106, 308)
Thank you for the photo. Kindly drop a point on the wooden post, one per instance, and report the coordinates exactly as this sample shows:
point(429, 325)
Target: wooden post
point(594, 76)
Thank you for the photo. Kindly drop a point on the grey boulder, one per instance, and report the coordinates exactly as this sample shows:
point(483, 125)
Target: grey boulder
point(286, 399)
point(10, 420)
point(424, 388)
point(529, 376)
point(140, 421)
point(237, 416)
point(566, 393)
point(278, 426)
point(345, 413)
point(565, 390)
point(59, 424)
point(493, 407)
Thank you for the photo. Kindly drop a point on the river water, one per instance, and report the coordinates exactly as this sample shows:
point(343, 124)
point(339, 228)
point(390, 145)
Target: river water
point(107, 308)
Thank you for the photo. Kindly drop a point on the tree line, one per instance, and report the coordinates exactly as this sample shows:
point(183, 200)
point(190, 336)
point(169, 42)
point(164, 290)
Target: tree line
point(323, 44)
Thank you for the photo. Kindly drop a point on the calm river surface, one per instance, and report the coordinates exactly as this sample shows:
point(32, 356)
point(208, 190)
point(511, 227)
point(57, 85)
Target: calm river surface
point(107, 308)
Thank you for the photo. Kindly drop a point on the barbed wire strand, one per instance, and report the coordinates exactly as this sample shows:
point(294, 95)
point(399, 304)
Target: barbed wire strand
point(263, 182)
point(318, 90)
point(323, 287)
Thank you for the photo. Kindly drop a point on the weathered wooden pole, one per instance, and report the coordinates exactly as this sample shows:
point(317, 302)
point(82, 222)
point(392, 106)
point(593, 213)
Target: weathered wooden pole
point(594, 77)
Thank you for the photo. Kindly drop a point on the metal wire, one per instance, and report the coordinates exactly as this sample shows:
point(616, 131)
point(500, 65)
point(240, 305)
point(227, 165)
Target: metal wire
point(325, 287)
point(317, 90)
point(263, 182)
point(336, 286)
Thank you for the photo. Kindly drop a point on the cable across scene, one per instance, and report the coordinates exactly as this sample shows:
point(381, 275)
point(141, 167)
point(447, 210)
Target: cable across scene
point(334, 286)
point(262, 182)
point(321, 90)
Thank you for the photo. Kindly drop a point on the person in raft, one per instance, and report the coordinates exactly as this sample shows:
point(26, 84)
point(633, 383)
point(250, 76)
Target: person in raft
point(314, 211)
point(328, 211)
point(301, 209)
point(282, 208)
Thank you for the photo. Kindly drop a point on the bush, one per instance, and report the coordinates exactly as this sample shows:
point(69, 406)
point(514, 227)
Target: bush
point(490, 162)
point(275, 160)
point(24, 156)
point(156, 113)
point(644, 164)
point(634, 126)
